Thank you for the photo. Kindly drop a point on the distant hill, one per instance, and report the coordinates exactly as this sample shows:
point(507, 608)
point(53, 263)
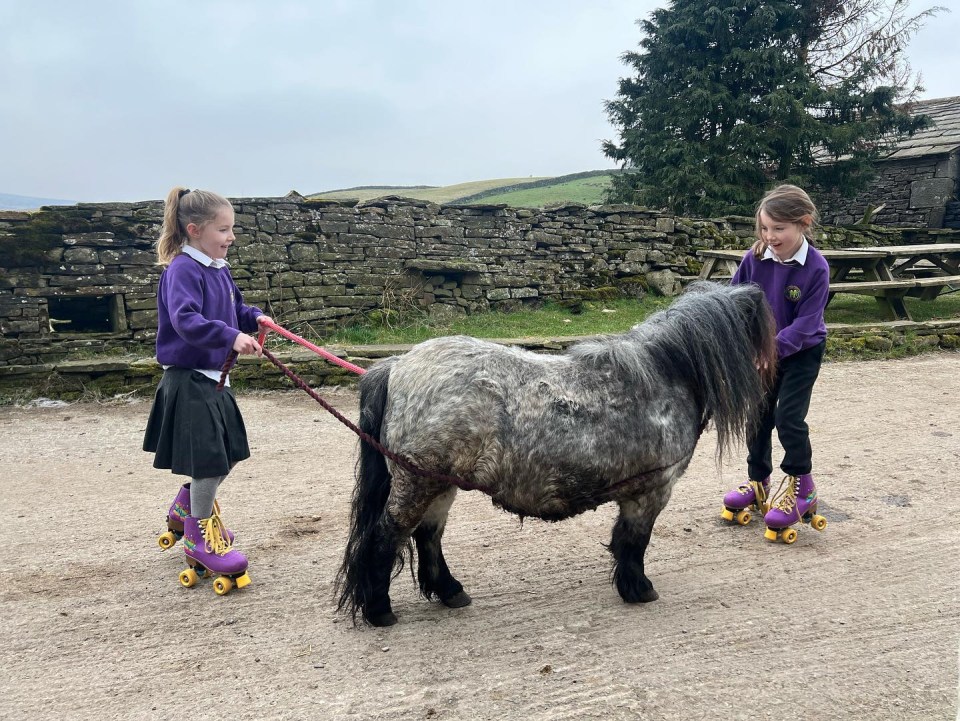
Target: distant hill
point(533, 192)
point(433, 194)
point(589, 188)
point(24, 202)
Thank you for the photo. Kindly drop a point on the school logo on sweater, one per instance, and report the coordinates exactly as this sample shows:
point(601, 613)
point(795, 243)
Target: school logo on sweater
point(792, 293)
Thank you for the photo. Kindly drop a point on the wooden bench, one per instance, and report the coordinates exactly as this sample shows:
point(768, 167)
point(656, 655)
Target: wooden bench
point(929, 287)
point(939, 281)
point(876, 288)
point(891, 292)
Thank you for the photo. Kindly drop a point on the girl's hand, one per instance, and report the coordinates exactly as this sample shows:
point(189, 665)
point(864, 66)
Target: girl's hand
point(247, 345)
point(262, 329)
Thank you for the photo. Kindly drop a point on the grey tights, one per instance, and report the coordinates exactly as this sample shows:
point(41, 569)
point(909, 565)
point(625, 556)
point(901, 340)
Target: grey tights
point(202, 493)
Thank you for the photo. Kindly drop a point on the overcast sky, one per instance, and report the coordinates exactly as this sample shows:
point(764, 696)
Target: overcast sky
point(121, 100)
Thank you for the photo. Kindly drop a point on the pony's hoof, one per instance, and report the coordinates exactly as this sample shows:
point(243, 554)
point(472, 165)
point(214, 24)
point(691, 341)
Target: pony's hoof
point(459, 601)
point(645, 596)
point(383, 619)
point(640, 595)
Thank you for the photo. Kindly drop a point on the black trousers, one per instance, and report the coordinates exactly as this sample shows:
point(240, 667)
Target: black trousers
point(787, 406)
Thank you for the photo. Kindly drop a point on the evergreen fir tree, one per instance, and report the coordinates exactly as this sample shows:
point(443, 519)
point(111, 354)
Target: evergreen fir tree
point(732, 96)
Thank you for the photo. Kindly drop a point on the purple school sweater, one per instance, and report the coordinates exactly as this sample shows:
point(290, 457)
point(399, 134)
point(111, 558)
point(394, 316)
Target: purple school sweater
point(797, 294)
point(201, 313)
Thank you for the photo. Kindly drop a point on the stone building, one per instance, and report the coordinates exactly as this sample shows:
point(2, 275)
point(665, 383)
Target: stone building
point(917, 184)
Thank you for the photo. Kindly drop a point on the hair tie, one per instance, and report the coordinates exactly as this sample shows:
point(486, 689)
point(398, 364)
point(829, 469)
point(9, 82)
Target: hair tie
point(183, 192)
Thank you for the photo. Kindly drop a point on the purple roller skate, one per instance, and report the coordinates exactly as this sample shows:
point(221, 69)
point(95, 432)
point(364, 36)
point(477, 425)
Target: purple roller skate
point(738, 502)
point(797, 502)
point(180, 509)
point(206, 550)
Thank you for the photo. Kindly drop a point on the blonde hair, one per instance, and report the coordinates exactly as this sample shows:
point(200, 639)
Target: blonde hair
point(182, 207)
point(786, 204)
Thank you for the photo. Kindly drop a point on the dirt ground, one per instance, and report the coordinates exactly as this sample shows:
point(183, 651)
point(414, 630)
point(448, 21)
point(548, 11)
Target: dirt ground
point(860, 621)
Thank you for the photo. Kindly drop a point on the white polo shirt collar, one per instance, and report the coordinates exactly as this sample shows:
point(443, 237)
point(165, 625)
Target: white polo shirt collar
point(203, 258)
point(799, 258)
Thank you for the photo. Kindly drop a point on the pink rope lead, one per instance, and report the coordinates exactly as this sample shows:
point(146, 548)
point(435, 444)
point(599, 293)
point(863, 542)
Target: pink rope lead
point(325, 354)
point(316, 349)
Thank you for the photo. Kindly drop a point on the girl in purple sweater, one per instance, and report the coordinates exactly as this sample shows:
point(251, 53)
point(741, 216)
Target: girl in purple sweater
point(796, 281)
point(193, 429)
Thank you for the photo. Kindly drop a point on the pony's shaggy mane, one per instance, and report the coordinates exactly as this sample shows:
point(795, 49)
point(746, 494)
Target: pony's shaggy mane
point(681, 344)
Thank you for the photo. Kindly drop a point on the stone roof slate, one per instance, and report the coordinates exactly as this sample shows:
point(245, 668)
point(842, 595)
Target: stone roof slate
point(940, 138)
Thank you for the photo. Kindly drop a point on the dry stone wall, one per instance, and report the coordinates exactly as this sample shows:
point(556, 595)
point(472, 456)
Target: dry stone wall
point(82, 279)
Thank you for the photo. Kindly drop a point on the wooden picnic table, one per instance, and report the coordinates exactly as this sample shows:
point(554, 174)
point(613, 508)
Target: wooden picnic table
point(885, 273)
point(931, 267)
point(945, 256)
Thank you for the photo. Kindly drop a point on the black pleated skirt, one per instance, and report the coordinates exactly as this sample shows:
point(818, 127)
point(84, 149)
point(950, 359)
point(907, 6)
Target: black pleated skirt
point(194, 429)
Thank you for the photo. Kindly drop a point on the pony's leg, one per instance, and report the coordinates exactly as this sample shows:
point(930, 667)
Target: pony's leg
point(432, 573)
point(409, 504)
point(380, 562)
point(631, 534)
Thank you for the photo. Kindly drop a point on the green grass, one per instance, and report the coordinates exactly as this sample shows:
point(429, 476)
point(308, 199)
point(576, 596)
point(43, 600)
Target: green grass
point(615, 316)
point(549, 321)
point(442, 194)
point(855, 309)
point(541, 191)
point(589, 191)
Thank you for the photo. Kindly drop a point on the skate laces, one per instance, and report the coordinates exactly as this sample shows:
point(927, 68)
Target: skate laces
point(214, 536)
point(749, 486)
point(786, 499)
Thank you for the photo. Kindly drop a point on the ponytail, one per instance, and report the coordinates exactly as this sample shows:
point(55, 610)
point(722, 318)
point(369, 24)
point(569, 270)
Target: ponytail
point(182, 207)
point(171, 237)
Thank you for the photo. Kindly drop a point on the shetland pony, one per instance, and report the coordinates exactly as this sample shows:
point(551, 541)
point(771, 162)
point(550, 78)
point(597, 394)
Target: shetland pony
point(549, 436)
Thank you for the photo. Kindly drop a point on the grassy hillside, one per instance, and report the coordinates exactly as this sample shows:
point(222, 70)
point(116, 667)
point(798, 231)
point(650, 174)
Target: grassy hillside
point(442, 194)
point(588, 190)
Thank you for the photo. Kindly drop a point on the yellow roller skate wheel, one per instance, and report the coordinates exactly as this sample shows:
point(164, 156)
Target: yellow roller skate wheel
point(770, 534)
point(222, 585)
point(789, 535)
point(188, 578)
point(818, 523)
point(166, 540)
point(743, 518)
point(726, 514)
point(244, 580)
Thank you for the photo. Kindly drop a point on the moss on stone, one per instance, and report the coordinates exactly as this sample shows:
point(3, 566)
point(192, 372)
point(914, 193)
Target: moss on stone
point(574, 305)
point(602, 293)
point(383, 316)
point(877, 343)
point(634, 286)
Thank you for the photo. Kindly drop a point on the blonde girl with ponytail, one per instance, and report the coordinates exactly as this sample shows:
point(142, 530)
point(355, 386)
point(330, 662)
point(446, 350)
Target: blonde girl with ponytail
point(194, 430)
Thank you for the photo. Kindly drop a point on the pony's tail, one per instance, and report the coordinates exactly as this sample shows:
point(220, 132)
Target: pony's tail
point(354, 583)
